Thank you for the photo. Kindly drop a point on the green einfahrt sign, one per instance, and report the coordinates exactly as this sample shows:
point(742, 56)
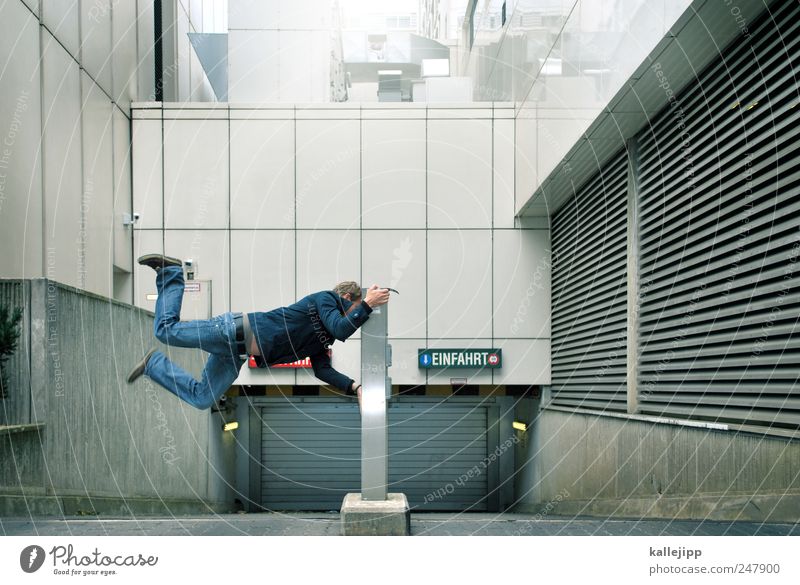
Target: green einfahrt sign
point(460, 358)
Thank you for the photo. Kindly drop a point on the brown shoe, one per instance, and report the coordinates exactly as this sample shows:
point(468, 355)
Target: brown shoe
point(159, 261)
point(138, 369)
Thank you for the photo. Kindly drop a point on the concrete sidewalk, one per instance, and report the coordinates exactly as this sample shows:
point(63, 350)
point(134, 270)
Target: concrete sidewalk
point(322, 524)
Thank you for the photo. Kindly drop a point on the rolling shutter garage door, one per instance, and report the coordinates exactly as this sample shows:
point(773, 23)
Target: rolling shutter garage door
point(311, 455)
point(430, 447)
point(589, 293)
point(719, 240)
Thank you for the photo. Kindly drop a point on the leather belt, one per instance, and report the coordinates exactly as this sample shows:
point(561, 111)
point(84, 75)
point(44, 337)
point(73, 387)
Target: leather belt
point(241, 346)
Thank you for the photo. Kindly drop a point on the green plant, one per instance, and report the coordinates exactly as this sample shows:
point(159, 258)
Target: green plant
point(9, 336)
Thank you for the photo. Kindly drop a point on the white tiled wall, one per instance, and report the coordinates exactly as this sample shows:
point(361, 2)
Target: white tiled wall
point(328, 174)
point(146, 58)
point(262, 173)
point(32, 4)
point(459, 286)
point(262, 269)
point(524, 361)
point(96, 53)
point(459, 283)
point(61, 100)
point(98, 188)
point(503, 174)
point(209, 248)
point(62, 19)
point(122, 191)
point(124, 57)
point(144, 279)
point(325, 258)
point(146, 150)
point(459, 173)
point(522, 283)
point(21, 186)
point(396, 258)
point(525, 140)
point(66, 151)
point(393, 173)
point(196, 173)
point(556, 135)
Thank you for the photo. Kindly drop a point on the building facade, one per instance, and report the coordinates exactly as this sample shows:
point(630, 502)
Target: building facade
point(614, 212)
point(276, 203)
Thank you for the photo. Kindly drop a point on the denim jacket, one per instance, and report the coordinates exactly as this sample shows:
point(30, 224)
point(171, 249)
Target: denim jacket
point(307, 329)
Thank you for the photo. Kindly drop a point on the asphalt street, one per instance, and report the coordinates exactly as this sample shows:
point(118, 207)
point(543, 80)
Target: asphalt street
point(322, 524)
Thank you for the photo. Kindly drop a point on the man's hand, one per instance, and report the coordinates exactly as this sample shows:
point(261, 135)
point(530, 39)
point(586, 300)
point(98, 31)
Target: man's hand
point(376, 297)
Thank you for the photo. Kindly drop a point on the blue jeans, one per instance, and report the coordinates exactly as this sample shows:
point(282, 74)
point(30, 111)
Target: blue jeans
point(217, 336)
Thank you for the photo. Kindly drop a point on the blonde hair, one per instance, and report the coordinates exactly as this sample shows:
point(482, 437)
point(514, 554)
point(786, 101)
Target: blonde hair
point(348, 287)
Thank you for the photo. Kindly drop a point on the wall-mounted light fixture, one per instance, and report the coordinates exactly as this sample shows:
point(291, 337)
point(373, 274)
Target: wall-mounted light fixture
point(520, 426)
point(231, 426)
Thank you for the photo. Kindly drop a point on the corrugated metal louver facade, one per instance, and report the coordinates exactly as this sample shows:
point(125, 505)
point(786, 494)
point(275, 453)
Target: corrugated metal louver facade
point(589, 293)
point(719, 193)
point(715, 184)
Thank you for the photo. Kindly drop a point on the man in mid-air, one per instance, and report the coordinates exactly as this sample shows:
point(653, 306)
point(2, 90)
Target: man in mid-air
point(304, 329)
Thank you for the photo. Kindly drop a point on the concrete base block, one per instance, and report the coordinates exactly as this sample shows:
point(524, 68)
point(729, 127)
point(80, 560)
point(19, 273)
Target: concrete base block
point(390, 517)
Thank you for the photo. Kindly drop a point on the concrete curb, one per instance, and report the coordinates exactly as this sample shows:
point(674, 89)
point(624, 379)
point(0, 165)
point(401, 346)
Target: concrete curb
point(43, 506)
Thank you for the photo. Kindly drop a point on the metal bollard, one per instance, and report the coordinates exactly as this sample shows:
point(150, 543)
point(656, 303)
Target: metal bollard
point(376, 389)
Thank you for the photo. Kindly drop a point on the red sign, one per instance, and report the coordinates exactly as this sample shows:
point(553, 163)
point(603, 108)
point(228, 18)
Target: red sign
point(306, 363)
